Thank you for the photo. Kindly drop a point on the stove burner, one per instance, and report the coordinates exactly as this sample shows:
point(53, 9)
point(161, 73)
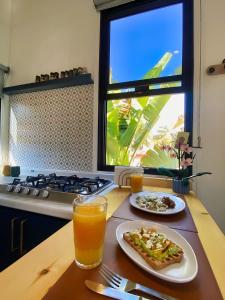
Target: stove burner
point(68, 184)
point(16, 181)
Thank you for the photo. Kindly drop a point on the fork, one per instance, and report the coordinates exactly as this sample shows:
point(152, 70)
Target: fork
point(118, 282)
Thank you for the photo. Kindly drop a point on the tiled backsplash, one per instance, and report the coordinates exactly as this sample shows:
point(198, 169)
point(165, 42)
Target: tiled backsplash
point(52, 129)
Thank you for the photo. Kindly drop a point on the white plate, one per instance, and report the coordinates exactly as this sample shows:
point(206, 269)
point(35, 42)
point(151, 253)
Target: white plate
point(184, 271)
point(179, 203)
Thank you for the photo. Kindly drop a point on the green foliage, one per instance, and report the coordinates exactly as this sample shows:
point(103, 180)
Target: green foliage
point(156, 157)
point(129, 124)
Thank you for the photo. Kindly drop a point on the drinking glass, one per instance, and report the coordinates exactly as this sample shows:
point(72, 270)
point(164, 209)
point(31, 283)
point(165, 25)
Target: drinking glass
point(89, 220)
point(136, 182)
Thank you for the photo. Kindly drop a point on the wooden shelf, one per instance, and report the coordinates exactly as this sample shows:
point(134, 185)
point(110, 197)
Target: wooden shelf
point(82, 79)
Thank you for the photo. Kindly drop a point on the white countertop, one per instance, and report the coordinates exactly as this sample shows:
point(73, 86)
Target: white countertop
point(45, 207)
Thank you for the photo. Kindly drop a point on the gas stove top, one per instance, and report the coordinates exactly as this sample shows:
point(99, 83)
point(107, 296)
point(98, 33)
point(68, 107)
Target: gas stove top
point(43, 186)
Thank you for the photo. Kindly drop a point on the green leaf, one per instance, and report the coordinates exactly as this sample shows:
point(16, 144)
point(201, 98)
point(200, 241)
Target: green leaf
point(142, 101)
point(112, 123)
point(159, 67)
point(126, 137)
point(111, 150)
point(178, 71)
point(152, 110)
point(140, 135)
point(165, 172)
point(123, 125)
point(157, 158)
point(129, 127)
point(150, 114)
point(150, 159)
point(110, 106)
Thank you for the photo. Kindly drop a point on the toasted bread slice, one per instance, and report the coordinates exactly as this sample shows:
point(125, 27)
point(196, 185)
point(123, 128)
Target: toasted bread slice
point(155, 263)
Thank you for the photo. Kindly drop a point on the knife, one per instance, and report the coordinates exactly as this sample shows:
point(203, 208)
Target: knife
point(110, 292)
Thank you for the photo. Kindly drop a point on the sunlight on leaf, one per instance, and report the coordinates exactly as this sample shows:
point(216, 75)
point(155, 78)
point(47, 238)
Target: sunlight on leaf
point(130, 123)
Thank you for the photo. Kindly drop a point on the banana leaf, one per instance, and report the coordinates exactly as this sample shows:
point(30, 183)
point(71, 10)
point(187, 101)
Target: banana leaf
point(126, 138)
point(157, 158)
point(159, 67)
point(112, 126)
point(128, 127)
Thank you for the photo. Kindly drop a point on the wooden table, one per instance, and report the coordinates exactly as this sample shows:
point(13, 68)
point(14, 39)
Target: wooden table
point(33, 275)
point(71, 284)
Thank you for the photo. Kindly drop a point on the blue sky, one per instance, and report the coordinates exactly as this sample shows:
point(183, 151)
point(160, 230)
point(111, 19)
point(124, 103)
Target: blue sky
point(138, 42)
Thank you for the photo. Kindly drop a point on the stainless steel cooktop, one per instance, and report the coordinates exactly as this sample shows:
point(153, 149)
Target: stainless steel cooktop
point(55, 188)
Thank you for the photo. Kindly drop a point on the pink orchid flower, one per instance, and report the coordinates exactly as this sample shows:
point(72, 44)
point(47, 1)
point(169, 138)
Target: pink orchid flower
point(186, 162)
point(186, 148)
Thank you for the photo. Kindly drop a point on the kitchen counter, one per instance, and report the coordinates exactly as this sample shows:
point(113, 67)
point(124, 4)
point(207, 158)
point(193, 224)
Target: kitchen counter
point(48, 206)
point(32, 275)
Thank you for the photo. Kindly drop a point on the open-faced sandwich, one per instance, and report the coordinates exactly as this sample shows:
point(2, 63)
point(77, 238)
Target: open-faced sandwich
point(155, 248)
point(154, 202)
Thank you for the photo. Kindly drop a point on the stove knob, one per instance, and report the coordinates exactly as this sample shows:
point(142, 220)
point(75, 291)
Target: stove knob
point(26, 191)
point(9, 188)
point(45, 194)
point(17, 189)
point(36, 192)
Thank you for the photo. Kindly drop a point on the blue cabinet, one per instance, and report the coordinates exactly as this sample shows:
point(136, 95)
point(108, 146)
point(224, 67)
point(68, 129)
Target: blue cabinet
point(21, 231)
point(9, 237)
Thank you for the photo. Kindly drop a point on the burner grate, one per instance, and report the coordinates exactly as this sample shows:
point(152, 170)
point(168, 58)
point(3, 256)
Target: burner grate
point(68, 184)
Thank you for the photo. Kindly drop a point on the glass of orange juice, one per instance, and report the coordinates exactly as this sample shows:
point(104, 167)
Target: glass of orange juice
point(136, 182)
point(89, 220)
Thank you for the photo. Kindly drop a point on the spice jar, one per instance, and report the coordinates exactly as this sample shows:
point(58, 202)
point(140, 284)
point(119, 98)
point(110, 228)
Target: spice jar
point(37, 79)
point(70, 73)
point(56, 74)
point(6, 170)
point(42, 77)
point(15, 171)
point(75, 71)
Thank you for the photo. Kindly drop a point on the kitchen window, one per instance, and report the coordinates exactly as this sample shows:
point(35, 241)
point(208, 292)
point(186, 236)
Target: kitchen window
point(145, 82)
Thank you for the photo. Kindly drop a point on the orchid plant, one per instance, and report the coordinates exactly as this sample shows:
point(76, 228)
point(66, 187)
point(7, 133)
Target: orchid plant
point(183, 153)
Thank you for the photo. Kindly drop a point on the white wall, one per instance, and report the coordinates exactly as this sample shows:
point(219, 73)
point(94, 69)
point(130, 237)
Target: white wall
point(54, 35)
point(5, 16)
point(5, 28)
point(211, 189)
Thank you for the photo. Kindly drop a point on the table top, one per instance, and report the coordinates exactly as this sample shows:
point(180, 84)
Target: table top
point(71, 283)
point(33, 275)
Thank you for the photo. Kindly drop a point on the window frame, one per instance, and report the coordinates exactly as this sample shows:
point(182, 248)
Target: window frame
point(104, 60)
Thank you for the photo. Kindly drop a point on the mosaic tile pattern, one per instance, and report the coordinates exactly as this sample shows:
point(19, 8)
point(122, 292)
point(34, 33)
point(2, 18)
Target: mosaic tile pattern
point(52, 129)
